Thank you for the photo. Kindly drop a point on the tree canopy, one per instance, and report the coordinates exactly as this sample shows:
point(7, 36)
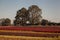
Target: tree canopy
point(30, 16)
point(35, 14)
point(6, 22)
point(21, 17)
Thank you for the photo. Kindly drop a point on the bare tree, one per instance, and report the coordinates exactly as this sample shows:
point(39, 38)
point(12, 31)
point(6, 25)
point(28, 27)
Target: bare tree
point(35, 14)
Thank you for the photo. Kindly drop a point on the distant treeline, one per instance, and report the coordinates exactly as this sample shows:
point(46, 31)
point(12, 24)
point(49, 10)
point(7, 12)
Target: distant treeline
point(44, 22)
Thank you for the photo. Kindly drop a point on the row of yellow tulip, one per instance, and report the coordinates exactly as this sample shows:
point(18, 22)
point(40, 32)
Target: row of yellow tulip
point(5, 37)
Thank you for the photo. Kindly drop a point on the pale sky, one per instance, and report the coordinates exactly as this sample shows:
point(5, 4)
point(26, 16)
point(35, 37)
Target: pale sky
point(50, 8)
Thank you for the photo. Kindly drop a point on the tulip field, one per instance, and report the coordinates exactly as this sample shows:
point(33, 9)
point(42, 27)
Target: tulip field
point(29, 33)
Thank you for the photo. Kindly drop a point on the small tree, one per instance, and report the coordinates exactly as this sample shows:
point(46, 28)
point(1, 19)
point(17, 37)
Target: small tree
point(2, 20)
point(44, 22)
point(6, 22)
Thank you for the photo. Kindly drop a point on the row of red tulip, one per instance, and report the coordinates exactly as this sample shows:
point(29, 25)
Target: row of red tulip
point(37, 29)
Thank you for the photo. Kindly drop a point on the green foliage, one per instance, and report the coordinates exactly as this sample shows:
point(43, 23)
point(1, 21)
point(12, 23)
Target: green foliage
point(21, 17)
point(32, 15)
point(6, 22)
point(44, 22)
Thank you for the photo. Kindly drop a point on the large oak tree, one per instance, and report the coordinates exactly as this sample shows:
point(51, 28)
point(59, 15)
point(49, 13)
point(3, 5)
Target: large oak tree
point(21, 17)
point(35, 14)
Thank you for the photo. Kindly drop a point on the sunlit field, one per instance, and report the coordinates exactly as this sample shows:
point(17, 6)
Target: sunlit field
point(4, 37)
point(29, 33)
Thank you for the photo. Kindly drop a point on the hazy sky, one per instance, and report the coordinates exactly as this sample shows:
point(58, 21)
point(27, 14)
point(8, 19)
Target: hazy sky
point(50, 8)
